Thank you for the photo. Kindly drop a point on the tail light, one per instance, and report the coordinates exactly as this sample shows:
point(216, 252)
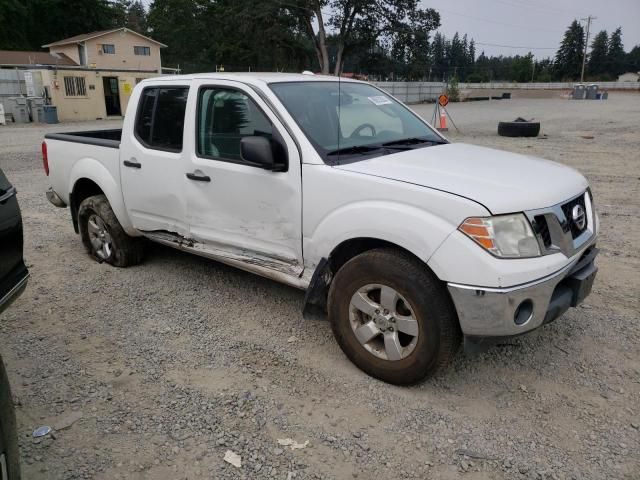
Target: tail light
point(45, 158)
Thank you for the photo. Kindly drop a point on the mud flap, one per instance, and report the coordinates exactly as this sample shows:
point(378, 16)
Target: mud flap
point(315, 299)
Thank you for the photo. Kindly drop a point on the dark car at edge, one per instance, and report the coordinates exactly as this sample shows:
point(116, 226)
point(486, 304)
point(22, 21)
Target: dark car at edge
point(13, 280)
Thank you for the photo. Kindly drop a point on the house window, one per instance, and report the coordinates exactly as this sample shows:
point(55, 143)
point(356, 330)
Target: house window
point(142, 51)
point(109, 48)
point(75, 87)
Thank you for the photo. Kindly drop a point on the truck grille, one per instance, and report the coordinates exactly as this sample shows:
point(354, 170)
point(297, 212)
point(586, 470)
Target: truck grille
point(560, 229)
point(568, 208)
point(542, 229)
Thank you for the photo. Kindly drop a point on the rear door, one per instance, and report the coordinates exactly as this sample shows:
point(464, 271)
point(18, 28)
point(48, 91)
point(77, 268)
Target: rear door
point(154, 160)
point(236, 209)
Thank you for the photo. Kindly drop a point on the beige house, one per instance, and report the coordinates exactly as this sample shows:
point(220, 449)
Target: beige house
point(118, 48)
point(109, 63)
point(629, 77)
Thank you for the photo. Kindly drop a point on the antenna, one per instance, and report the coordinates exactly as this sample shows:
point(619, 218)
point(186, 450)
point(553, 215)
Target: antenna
point(339, 132)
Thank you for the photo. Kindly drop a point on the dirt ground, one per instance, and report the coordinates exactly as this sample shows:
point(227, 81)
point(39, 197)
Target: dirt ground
point(154, 372)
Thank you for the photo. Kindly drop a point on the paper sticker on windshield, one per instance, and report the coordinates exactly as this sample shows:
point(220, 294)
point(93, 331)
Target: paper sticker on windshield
point(380, 100)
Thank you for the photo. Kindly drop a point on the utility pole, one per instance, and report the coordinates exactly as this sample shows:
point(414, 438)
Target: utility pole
point(533, 69)
point(586, 45)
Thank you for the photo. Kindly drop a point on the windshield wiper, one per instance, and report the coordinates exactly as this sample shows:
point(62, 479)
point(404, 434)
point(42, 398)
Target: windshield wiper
point(411, 141)
point(355, 150)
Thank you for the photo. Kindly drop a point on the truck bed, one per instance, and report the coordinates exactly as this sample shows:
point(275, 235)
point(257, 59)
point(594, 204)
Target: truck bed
point(103, 138)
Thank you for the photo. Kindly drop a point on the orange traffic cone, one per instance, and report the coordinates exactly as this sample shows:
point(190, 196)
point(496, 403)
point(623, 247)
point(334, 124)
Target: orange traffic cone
point(443, 121)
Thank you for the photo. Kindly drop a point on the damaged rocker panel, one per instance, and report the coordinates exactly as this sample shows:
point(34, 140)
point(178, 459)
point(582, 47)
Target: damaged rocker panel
point(284, 270)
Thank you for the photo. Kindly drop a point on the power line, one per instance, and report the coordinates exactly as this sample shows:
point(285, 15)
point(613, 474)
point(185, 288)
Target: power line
point(497, 22)
point(546, 8)
point(514, 46)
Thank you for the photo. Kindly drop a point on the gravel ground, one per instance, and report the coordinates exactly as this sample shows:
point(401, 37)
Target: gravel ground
point(154, 372)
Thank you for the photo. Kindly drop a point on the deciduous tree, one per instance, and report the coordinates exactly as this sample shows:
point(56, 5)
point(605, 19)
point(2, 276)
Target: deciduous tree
point(351, 20)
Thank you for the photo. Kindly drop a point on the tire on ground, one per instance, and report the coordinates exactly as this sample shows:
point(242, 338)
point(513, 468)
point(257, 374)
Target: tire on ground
point(126, 250)
point(439, 330)
point(518, 129)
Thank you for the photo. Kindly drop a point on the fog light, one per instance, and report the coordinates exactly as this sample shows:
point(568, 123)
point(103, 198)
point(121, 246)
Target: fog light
point(523, 313)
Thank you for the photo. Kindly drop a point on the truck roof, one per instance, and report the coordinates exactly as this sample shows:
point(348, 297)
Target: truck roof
point(252, 77)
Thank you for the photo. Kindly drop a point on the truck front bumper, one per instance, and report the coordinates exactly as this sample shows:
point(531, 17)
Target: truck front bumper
point(487, 313)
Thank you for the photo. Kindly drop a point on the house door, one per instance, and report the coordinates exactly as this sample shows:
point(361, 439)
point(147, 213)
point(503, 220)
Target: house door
point(111, 96)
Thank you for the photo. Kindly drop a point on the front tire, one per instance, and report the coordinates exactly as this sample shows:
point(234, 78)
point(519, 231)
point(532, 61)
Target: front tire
point(102, 235)
point(392, 317)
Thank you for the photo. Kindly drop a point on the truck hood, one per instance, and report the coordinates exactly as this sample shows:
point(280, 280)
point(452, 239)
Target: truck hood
point(503, 182)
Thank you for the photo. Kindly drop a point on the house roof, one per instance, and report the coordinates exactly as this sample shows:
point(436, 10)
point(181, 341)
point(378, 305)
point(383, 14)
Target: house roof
point(17, 57)
point(100, 33)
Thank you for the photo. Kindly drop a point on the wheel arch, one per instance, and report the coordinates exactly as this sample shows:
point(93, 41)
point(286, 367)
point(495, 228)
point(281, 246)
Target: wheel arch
point(82, 189)
point(90, 177)
point(317, 292)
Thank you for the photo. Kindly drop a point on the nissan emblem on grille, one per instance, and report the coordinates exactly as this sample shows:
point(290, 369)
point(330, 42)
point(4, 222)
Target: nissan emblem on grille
point(578, 216)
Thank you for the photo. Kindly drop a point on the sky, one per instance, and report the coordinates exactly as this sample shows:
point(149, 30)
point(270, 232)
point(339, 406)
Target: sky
point(533, 23)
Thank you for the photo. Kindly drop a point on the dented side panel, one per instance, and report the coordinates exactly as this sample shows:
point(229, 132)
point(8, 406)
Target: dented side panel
point(246, 213)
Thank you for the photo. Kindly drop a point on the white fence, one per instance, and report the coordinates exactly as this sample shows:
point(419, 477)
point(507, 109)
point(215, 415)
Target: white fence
point(413, 92)
point(550, 85)
point(417, 92)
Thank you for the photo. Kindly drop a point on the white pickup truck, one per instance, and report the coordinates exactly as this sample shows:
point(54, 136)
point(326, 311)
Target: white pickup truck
point(410, 242)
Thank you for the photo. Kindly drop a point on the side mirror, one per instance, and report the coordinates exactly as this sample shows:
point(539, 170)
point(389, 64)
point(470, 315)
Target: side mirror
point(260, 151)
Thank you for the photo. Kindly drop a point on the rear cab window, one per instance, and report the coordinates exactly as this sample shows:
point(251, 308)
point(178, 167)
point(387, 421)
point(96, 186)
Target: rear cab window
point(160, 118)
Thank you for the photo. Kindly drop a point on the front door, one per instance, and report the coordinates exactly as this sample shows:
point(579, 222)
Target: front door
point(236, 209)
point(111, 96)
point(154, 161)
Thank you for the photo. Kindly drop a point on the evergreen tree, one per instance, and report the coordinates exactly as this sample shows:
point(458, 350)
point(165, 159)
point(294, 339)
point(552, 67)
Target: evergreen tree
point(201, 35)
point(568, 63)
point(119, 12)
point(52, 20)
point(471, 52)
point(438, 56)
point(137, 18)
point(14, 12)
point(615, 55)
point(599, 54)
point(633, 59)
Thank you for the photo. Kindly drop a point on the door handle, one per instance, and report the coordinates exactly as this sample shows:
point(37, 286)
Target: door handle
point(198, 178)
point(132, 163)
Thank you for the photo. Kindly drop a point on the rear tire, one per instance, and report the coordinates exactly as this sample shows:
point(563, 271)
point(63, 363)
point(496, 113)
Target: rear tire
point(102, 235)
point(397, 290)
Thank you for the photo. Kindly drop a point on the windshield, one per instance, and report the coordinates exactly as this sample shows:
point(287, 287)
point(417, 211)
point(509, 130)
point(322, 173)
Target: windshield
point(346, 119)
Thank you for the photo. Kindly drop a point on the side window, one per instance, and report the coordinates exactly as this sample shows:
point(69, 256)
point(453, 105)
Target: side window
point(160, 121)
point(225, 116)
point(145, 114)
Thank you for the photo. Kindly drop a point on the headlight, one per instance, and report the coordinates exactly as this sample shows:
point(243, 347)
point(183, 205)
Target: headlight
point(507, 236)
